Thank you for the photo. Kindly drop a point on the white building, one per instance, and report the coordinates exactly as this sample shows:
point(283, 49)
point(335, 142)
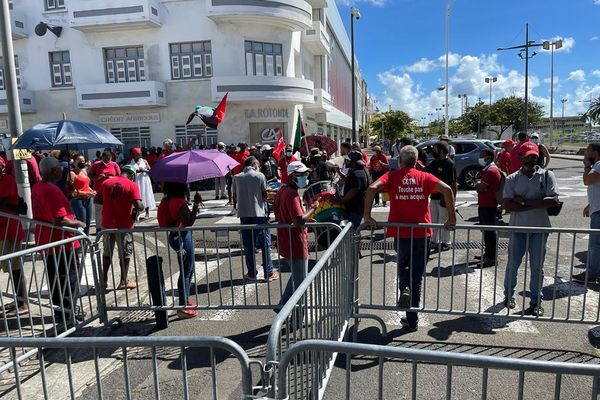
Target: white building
point(138, 67)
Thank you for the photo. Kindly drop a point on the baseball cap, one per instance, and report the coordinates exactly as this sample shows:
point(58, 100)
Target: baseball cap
point(529, 148)
point(221, 144)
point(296, 166)
point(266, 147)
point(128, 168)
point(356, 156)
point(508, 142)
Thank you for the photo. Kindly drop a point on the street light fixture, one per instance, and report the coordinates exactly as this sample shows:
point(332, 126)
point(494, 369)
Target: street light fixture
point(447, 121)
point(491, 80)
point(354, 13)
point(464, 105)
point(548, 45)
point(563, 101)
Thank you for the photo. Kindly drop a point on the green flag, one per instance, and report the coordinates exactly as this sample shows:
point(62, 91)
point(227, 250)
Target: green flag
point(299, 133)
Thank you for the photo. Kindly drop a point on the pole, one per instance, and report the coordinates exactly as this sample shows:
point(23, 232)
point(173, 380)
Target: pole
point(491, 82)
point(382, 131)
point(551, 92)
point(447, 122)
point(12, 100)
point(353, 81)
point(526, 77)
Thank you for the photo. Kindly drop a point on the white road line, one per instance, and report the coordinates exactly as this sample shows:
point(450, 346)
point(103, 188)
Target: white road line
point(228, 221)
point(215, 212)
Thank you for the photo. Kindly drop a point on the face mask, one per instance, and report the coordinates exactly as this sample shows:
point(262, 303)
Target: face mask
point(288, 153)
point(302, 181)
point(81, 165)
point(237, 149)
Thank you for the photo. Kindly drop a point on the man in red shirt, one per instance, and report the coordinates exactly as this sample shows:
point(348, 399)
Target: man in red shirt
point(515, 159)
point(287, 158)
point(100, 172)
point(292, 243)
point(11, 239)
point(50, 205)
point(378, 166)
point(504, 162)
point(488, 205)
point(409, 191)
point(167, 149)
point(121, 196)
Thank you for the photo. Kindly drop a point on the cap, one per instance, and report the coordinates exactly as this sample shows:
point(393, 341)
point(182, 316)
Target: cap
point(508, 142)
point(376, 148)
point(266, 147)
point(136, 150)
point(528, 148)
point(314, 150)
point(296, 166)
point(356, 156)
point(221, 144)
point(128, 168)
point(444, 137)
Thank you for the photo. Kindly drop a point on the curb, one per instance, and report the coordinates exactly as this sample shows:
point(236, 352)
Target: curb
point(566, 157)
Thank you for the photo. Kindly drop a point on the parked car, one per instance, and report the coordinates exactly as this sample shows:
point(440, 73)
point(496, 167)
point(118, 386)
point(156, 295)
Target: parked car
point(466, 158)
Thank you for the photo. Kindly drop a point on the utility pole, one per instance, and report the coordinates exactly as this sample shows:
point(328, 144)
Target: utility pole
point(15, 125)
point(563, 101)
point(552, 45)
point(447, 122)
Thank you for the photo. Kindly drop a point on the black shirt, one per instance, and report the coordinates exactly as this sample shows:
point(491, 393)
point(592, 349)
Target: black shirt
point(269, 168)
point(356, 180)
point(320, 171)
point(444, 170)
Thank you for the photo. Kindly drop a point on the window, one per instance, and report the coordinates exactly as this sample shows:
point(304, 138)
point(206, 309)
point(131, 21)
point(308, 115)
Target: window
point(264, 59)
point(184, 134)
point(54, 4)
point(132, 137)
point(464, 148)
point(17, 70)
point(191, 60)
point(60, 69)
point(125, 64)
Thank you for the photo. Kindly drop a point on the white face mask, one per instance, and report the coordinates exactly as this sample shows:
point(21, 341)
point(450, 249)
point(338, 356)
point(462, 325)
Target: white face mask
point(482, 162)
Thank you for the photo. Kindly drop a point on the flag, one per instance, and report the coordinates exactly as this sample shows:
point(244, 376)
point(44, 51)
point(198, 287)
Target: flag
point(299, 133)
point(279, 146)
point(211, 116)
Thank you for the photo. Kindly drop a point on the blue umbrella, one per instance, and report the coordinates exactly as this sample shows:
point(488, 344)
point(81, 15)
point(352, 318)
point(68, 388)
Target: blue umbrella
point(64, 135)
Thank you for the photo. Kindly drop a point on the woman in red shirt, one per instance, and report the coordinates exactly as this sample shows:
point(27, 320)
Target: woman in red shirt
point(79, 191)
point(173, 212)
point(378, 166)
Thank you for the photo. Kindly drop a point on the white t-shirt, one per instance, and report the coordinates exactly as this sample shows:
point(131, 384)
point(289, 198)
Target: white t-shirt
point(593, 191)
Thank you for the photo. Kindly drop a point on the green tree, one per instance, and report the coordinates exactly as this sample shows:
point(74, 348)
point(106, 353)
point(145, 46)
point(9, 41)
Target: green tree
point(475, 118)
point(510, 111)
point(593, 113)
point(395, 123)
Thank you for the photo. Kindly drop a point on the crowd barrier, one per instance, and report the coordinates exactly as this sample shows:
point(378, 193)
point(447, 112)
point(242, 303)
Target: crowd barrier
point(456, 282)
point(110, 368)
point(427, 374)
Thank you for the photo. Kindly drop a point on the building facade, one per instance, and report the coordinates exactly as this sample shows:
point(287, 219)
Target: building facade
point(138, 67)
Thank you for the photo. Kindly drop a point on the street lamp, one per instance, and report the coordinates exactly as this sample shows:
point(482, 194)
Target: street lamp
point(447, 120)
point(491, 80)
point(548, 45)
point(354, 13)
point(563, 101)
point(464, 105)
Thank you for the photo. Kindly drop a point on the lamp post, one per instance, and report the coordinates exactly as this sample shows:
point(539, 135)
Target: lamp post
point(354, 13)
point(447, 120)
point(464, 104)
point(563, 101)
point(548, 45)
point(491, 80)
point(438, 109)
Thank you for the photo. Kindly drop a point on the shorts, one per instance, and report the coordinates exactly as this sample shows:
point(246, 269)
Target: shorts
point(124, 244)
point(8, 247)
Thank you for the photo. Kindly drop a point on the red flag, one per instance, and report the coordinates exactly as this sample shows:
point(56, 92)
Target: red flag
point(279, 146)
point(220, 110)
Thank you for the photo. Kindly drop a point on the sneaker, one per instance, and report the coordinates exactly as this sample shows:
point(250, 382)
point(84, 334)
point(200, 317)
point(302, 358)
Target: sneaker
point(536, 309)
point(581, 278)
point(185, 314)
point(249, 277)
point(510, 303)
point(404, 300)
point(408, 327)
point(445, 246)
point(488, 262)
point(273, 276)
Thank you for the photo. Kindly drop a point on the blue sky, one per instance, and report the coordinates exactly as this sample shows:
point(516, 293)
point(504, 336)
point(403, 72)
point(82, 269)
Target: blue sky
point(399, 44)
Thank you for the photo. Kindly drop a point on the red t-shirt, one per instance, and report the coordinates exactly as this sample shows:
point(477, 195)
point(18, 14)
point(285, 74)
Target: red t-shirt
point(110, 169)
point(49, 202)
point(151, 159)
point(515, 160)
point(10, 229)
point(364, 157)
point(33, 170)
point(504, 160)
point(165, 153)
point(168, 212)
point(287, 205)
point(491, 176)
point(119, 194)
point(283, 164)
point(409, 191)
point(240, 157)
point(376, 159)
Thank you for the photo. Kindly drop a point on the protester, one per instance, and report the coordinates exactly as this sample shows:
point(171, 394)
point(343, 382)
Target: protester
point(355, 187)
point(173, 212)
point(292, 243)
point(409, 190)
point(378, 166)
point(50, 205)
point(443, 168)
point(528, 193)
point(11, 241)
point(395, 149)
point(250, 193)
point(504, 162)
point(220, 181)
point(79, 191)
point(143, 181)
point(451, 150)
point(100, 172)
point(356, 146)
point(240, 155)
point(544, 154)
point(152, 157)
point(284, 162)
point(515, 158)
point(591, 178)
point(167, 149)
point(487, 188)
point(268, 164)
point(122, 202)
point(320, 169)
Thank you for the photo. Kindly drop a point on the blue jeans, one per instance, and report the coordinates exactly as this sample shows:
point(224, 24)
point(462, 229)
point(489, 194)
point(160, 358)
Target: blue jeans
point(183, 244)
point(412, 259)
point(520, 243)
point(593, 258)
point(299, 270)
point(257, 239)
point(83, 212)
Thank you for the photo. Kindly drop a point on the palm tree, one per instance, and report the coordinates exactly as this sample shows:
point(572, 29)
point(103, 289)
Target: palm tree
point(593, 113)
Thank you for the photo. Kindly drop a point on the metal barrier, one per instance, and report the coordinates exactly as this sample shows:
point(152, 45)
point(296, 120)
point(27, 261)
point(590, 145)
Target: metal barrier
point(217, 279)
point(455, 282)
point(79, 367)
point(465, 375)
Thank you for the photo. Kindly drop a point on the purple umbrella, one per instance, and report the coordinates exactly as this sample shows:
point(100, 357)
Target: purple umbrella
point(191, 166)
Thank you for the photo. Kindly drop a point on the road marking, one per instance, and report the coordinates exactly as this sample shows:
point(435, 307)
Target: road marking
point(228, 221)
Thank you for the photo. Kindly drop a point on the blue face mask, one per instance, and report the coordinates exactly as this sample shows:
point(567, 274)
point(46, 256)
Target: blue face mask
point(302, 181)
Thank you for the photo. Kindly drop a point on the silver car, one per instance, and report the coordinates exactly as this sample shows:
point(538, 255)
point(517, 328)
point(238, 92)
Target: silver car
point(466, 158)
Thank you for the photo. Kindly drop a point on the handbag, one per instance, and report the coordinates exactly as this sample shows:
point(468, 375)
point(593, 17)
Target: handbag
point(554, 210)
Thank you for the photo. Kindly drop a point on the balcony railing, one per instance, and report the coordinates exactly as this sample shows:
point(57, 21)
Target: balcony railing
point(294, 15)
point(103, 15)
point(263, 88)
point(126, 94)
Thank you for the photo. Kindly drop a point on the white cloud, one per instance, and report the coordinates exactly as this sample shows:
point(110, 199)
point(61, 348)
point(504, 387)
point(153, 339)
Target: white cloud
point(423, 65)
point(428, 65)
point(577, 75)
point(597, 2)
point(453, 60)
point(379, 3)
point(594, 38)
point(556, 80)
point(596, 73)
point(567, 45)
